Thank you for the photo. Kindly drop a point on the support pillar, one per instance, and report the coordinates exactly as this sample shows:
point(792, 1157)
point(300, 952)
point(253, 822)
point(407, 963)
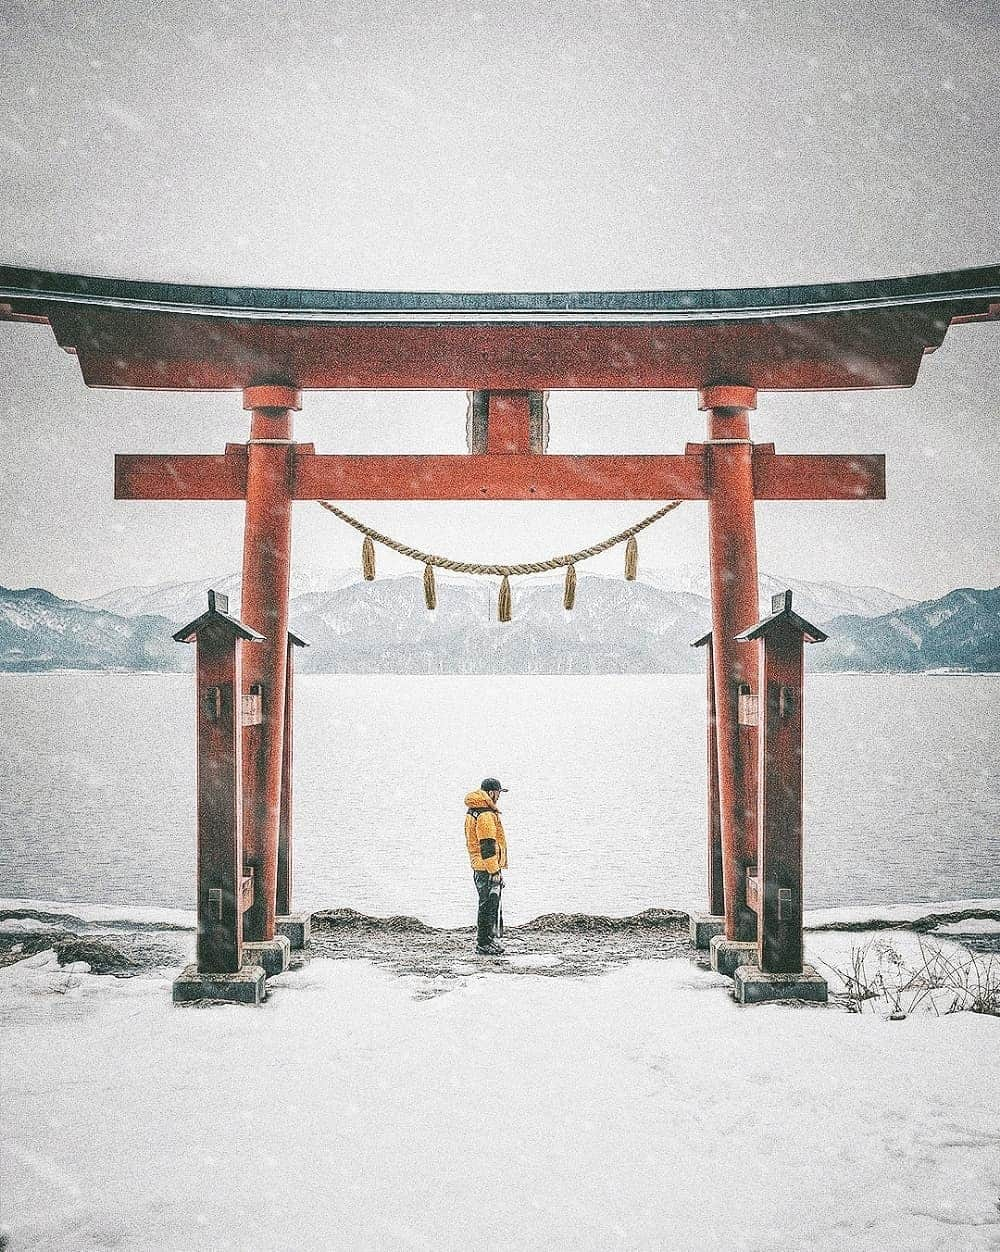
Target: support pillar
point(779, 972)
point(266, 561)
point(716, 900)
point(778, 885)
point(295, 927)
point(507, 422)
point(733, 563)
point(705, 926)
point(221, 970)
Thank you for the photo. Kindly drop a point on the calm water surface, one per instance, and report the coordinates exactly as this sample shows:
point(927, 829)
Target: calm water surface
point(606, 774)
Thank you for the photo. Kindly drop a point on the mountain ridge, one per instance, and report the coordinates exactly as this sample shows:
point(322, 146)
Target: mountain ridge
point(182, 601)
point(384, 627)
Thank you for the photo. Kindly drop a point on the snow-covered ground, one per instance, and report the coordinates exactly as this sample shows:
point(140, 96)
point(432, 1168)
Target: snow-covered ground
point(361, 1110)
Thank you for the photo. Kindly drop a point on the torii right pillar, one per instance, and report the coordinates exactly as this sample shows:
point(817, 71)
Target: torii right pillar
point(732, 540)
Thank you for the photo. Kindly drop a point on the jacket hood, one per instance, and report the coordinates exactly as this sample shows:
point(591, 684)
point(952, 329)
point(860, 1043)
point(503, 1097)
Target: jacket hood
point(479, 799)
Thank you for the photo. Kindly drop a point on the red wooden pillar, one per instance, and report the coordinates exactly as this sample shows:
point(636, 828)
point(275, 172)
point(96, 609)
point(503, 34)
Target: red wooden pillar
point(283, 897)
point(733, 565)
point(779, 878)
point(222, 894)
point(266, 560)
point(508, 422)
point(716, 899)
point(508, 427)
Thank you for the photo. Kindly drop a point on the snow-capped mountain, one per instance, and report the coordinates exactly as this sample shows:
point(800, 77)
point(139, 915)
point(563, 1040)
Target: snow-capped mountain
point(817, 602)
point(39, 631)
point(616, 627)
point(384, 627)
point(958, 631)
point(181, 602)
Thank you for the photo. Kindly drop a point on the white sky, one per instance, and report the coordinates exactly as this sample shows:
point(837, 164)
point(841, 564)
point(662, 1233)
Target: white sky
point(500, 146)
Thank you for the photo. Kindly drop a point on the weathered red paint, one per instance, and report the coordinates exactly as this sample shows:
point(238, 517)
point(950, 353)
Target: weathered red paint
point(499, 476)
point(283, 892)
point(196, 476)
point(733, 575)
point(508, 422)
point(716, 895)
point(817, 476)
point(266, 567)
point(179, 352)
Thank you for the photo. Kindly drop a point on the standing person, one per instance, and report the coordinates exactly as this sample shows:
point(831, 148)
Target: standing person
point(487, 846)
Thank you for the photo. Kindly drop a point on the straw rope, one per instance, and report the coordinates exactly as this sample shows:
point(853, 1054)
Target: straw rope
point(524, 567)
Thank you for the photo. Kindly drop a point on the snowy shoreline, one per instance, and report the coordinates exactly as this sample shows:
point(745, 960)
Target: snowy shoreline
point(814, 675)
point(858, 917)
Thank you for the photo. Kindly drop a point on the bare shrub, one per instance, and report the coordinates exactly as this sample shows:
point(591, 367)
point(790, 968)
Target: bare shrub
point(952, 982)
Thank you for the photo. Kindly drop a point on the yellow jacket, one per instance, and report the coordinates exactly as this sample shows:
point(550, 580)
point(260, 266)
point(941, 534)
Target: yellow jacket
point(484, 835)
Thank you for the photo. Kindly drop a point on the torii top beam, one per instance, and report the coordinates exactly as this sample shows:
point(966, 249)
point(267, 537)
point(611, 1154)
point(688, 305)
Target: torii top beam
point(180, 337)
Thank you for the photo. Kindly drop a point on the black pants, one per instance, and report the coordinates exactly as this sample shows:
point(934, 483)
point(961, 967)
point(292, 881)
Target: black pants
point(489, 918)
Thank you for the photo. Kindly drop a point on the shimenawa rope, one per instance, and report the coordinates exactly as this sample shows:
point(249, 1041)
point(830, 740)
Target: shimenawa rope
point(524, 567)
point(430, 561)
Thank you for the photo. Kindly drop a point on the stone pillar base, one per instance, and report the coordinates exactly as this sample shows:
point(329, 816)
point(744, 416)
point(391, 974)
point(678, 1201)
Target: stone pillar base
point(295, 928)
point(753, 986)
point(727, 955)
point(272, 955)
point(704, 927)
point(246, 986)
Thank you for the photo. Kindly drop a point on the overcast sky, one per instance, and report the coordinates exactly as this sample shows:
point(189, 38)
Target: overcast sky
point(500, 146)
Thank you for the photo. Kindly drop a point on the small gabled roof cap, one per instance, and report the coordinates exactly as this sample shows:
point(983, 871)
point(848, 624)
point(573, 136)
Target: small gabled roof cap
point(296, 642)
point(705, 639)
point(782, 614)
point(217, 615)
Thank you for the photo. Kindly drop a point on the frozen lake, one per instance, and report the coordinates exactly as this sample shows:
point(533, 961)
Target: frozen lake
point(607, 790)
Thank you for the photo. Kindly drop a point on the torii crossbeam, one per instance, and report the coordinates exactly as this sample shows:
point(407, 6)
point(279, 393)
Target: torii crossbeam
point(509, 348)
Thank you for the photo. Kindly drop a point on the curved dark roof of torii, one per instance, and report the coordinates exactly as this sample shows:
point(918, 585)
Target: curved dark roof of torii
point(191, 336)
point(969, 285)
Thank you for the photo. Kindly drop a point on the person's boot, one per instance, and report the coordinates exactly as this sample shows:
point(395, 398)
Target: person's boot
point(490, 947)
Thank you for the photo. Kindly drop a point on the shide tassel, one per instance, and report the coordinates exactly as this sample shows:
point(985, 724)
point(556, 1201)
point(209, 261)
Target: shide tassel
point(430, 592)
point(503, 604)
point(569, 591)
point(368, 559)
point(631, 559)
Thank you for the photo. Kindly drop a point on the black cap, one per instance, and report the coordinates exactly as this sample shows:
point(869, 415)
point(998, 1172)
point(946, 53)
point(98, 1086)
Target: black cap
point(491, 784)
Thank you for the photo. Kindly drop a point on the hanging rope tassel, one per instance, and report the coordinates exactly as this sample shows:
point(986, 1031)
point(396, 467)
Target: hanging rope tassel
point(368, 559)
point(430, 592)
point(631, 559)
point(504, 604)
point(569, 591)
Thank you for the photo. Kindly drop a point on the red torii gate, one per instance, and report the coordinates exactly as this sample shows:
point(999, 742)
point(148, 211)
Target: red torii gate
point(272, 471)
point(725, 345)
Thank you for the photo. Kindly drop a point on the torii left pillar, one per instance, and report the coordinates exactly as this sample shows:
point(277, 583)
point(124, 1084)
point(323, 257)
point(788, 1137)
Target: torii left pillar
point(266, 564)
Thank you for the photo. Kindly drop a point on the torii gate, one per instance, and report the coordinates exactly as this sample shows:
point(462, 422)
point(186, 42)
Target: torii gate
point(727, 346)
